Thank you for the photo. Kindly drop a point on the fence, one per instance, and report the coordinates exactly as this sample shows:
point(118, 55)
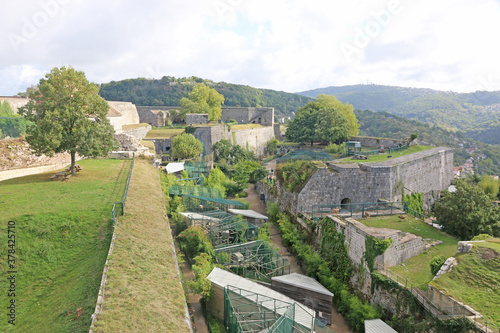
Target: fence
point(441, 312)
point(124, 200)
point(357, 209)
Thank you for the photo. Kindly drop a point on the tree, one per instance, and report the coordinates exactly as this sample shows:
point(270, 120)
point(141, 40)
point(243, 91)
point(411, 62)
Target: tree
point(248, 171)
point(203, 99)
point(186, 146)
point(490, 186)
point(325, 119)
point(68, 115)
point(467, 212)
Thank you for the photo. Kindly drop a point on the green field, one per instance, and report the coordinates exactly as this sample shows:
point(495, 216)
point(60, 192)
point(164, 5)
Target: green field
point(383, 157)
point(62, 230)
point(476, 279)
point(417, 269)
point(164, 133)
point(133, 126)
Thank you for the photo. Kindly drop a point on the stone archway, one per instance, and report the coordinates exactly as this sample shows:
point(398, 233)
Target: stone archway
point(344, 203)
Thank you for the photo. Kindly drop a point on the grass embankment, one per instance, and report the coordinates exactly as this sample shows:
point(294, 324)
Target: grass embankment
point(164, 133)
point(417, 269)
point(148, 144)
point(143, 293)
point(63, 230)
point(476, 279)
point(132, 126)
point(384, 157)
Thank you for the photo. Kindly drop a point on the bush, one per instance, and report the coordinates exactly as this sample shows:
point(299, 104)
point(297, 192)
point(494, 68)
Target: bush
point(241, 194)
point(436, 264)
point(193, 241)
point(481, 237)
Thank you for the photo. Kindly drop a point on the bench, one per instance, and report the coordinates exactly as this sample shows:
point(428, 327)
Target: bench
point(77, 168)
point(62, 175)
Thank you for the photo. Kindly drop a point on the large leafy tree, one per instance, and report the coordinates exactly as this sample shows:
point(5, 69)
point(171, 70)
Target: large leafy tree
point(68, 115)
point(186, 146)
point(203, 99)
point(467, 212)
point(325, 119)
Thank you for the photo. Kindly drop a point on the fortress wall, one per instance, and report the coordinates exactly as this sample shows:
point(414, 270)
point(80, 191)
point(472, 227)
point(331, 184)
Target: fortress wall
point(196, 118)
point(244, 115)
point(255, 139)
point(367, 141)
point(15, 102)
point(128, 110)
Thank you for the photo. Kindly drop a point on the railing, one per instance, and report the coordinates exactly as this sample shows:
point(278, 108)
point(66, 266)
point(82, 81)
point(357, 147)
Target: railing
point(441, 312)
point(114, 213)
point(355, 209)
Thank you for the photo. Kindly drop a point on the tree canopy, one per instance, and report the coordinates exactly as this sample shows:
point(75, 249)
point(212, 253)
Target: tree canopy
point(325, 119)
point(68, 115)
point(467, 212)
point(186, 146)
point(203, 99)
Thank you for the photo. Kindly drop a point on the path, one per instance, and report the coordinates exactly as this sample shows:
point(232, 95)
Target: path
point(339, 324)
point(194, 302)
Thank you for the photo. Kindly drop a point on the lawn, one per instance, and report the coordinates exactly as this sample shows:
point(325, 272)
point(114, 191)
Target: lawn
point(383, 157)
point(132, 126)
point(62, 230)
point(143, 291)
point(417, 269)
point(164, 133)
point(476, 279)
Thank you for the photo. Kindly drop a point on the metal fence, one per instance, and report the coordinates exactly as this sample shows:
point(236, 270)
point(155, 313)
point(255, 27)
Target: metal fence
point(357, 209)
point(121, 204)
point(442, 313)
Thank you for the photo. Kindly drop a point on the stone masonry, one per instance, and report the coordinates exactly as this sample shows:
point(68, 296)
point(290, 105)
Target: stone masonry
point(196, 118)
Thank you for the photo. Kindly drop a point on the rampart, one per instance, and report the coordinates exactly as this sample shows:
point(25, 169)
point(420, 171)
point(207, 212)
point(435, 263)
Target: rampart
point(248, 115)
point(367, 141)
point(425, 172)
point(156, 115)
point(128, 111)
point(196, 118)
point(15, 102)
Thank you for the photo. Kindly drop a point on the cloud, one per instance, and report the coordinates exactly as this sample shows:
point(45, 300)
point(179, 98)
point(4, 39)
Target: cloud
point(286, 45)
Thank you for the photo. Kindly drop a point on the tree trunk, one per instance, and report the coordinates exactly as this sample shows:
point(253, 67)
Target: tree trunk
point(312, 143)
point(73, 160)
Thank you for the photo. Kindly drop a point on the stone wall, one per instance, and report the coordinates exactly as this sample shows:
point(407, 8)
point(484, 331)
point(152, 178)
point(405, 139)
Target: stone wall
point(138, 132)
point(248, 115)
point(130, 143)
point(425, 172)
point(196, 118)
point(15, 102)
point(449, 305)
point(156, 115)
point(255, 139)
point(128, 110)
point(367, 141)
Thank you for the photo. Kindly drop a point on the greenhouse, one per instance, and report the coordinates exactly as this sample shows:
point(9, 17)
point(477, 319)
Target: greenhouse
point(197, 169)
point(358, 209)
point(194, 190)
point(305, 154)
point(194, 203)
point(255, 260)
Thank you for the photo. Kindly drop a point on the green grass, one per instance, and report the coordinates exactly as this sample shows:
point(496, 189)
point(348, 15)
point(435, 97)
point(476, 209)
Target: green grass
point(417, 269)
point(476, 280)
point(63, 230)
point(132, 126)
point(148, 144)
point(164, 133)
point(383, 157)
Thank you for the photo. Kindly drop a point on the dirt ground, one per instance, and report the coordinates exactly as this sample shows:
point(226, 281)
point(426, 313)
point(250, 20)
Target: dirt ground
point(194, 303)
point(339, 324)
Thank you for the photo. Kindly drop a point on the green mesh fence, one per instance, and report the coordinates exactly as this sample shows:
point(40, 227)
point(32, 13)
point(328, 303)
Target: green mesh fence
point(195, 203)
point(255, 260)
point(195, 190)
point(197, 169)
point(114, 211)
point(305, 154)
point(358, 209)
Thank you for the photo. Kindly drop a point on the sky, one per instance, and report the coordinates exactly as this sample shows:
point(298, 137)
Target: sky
point(283, 45)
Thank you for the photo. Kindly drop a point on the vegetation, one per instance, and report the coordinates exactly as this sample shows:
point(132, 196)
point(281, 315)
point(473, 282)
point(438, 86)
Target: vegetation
point(248, 171)
point(11, 124)
point(202, 99)
point(384, 157)
point(68, 116)
point(467, 212)
point(168, 91)
point(63, 232)
point(436, 264)
point(415, 201)
point(164, 133)
point(142, 265)
point(186, 146)
point(325, 119)
point(475, 279)
point(294, 175)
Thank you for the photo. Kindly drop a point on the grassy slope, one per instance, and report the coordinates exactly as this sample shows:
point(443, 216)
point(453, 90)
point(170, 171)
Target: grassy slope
point(143, 293)
point(63, 230)
point(383, 157)
point(164, 133)
point(417, 269)
point(476, 281)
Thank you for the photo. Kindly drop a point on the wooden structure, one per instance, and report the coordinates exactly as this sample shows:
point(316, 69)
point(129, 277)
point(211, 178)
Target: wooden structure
point(307, 291)
point(62, 176)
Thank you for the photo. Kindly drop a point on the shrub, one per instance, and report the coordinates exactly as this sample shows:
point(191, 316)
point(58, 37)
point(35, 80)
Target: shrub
point(481, 237)
point(436, 264)
point(193, 242)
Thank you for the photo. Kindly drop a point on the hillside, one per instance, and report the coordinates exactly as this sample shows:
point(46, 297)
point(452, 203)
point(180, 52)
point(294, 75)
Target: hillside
point(476, 114)
point(168, 91)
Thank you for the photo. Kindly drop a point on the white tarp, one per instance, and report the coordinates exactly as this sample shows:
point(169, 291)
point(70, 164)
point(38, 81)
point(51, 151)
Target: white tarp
point(174, 167)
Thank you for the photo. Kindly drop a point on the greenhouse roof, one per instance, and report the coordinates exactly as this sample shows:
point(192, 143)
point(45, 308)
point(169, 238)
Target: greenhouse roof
point(378, 326)
point(226, 202)
point(248, 213)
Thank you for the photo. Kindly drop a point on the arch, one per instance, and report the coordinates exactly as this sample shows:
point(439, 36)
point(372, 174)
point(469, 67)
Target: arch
point(344, 203)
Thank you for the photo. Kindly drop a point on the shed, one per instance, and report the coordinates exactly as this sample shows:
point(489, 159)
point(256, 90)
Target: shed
point(307, 291)
point(250, 215)
point(378, 326)
point(221, 279)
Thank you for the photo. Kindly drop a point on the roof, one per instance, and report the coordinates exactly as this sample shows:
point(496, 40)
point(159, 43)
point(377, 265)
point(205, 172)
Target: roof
point(304, 282)
point(196, 216)
point(174, 167)
point(248, 213)
point(378, 326)
point(112, 112)
point(223, 278)
point(226, 202)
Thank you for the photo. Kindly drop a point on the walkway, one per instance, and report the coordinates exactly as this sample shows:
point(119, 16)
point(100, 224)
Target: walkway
point(339, 324)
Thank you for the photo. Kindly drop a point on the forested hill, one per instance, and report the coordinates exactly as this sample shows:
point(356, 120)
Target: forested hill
point(476, 114)
point(168, 91)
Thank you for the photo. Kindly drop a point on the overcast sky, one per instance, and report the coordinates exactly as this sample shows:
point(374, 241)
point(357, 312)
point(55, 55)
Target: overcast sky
point(277, 44)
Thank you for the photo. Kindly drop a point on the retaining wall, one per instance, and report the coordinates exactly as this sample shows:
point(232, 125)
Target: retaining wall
point(138, 132)
point(128, 111)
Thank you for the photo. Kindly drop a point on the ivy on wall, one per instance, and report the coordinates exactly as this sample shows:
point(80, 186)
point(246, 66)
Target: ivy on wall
point(373, 248)
point(334, 251)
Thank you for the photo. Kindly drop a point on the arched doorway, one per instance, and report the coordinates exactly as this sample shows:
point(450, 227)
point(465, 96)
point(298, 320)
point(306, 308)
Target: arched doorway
point(345, 204)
